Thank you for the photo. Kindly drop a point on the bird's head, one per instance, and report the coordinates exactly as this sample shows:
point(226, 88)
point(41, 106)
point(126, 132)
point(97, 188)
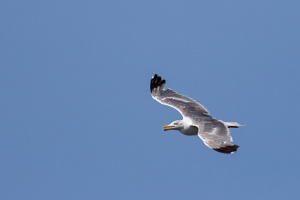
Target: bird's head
point(176, 125)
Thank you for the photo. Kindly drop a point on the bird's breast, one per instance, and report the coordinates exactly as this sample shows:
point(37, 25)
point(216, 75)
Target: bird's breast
point(191, 130)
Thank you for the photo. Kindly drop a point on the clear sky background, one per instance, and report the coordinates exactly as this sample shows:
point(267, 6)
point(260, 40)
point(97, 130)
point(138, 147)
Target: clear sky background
point(77, 120)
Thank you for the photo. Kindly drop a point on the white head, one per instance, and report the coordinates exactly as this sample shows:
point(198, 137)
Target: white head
point(176, 125)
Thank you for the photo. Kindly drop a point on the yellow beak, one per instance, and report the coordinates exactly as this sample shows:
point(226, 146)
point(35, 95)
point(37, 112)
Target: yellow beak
point(167, 127)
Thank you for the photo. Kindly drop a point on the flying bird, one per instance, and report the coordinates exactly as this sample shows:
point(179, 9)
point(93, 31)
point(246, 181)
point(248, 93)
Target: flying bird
point(196, 119)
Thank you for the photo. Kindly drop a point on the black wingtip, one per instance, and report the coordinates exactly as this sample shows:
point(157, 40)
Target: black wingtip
point(227, 149)
point(156, 81)
point(232, 127)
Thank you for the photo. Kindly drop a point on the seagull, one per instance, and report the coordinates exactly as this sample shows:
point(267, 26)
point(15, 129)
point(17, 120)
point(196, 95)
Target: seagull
point(196, 118)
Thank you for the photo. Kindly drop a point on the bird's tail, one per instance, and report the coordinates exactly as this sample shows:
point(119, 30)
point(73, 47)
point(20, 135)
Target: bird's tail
point(232, 124)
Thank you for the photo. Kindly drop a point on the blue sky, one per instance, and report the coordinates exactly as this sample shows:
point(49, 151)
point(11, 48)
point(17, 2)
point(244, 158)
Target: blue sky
point(77, 120)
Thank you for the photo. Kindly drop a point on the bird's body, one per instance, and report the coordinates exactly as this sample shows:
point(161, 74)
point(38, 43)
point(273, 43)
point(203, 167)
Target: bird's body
point(196, 119)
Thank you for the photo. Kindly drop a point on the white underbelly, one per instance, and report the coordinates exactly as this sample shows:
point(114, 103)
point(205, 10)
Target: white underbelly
point(192, 130)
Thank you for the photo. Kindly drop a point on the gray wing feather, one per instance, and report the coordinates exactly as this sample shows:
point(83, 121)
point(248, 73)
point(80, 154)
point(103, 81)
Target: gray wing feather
point(216, 136)
point(213, 133)
point(185, 105)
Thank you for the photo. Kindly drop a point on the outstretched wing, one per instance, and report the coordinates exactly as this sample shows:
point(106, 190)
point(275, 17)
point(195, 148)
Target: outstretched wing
point(185, 105)
point(215, 135)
